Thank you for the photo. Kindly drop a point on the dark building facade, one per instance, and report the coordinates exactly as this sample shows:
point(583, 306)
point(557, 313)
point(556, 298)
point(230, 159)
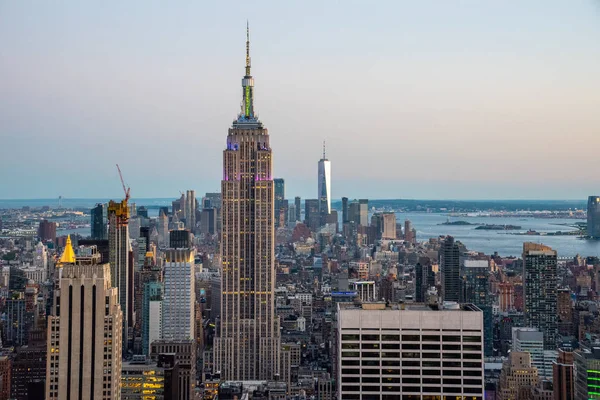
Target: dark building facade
point(298, 208)
point(344, 210)
point(450, 266)
point(593, 216)
point(312, 218)
point(180, 239)
point(98, 222)
point(47, 231)
point(540, 291)
point(280, 207)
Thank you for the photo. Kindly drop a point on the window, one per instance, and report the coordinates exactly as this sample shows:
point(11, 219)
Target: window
point(390, 338)
point(410, 338)
point(472, 339)
point(350, 345)
point(350, 337)
point(450, 338)
point(370, 337)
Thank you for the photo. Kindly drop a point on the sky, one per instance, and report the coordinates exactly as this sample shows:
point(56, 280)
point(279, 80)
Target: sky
point(495, 99)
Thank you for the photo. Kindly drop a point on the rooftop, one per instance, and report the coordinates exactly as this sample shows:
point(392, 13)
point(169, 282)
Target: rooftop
point(447, 306)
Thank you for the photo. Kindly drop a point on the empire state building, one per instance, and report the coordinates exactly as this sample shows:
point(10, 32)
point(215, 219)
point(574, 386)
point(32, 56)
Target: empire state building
point(247, 342)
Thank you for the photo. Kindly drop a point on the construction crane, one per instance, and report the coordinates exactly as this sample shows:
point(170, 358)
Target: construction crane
point(125, 189)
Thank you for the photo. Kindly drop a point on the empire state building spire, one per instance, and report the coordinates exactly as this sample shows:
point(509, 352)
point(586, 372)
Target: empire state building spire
point(247, 114)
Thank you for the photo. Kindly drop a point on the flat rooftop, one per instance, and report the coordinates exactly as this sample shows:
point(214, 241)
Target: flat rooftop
point(447, 306)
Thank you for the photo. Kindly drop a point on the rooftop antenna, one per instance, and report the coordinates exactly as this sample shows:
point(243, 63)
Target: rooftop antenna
point(323, 150)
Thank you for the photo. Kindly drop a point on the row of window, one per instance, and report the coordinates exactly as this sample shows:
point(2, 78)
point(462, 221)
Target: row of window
point(409, 389)
point(411, 354)
point(411, 338)
point(412, 346)
point(445, 364)
point(405, 363)
point(413, 380)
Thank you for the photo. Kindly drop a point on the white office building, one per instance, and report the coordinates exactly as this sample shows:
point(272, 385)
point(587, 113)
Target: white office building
point(179, 296)
point(531, 340)
point(411, 351)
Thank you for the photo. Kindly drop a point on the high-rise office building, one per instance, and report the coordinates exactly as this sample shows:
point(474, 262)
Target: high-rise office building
point(593, 216)
point(208, 221)
point(517, 373)
point(324, 188)
point(540, 291)
point(563, 376)
point(354, 212)
point(47, 231)
point(280, 209)
point(5, 377)
point(408, 232)
point(586, 366)
point(476, 291)
point(182, 354)
point(298, 208)
point(424, 279)
point(84, 332)
point(363, 212)
point(389, 225)
point(247, 342)
point(345, 210)
point(98, 216)
point(118, 255)
point(291, 215)
point(450, 266)
point(152, 314)
point(29, 366)
point(312, 218)
point(162, 228)
point(180, 239)
point(531, 340)
point(179, 295)
point(190, 210)
point(408, 351)
point(565, 312)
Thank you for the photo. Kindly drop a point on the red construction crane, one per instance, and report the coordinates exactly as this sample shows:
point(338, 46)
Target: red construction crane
point(125, 189)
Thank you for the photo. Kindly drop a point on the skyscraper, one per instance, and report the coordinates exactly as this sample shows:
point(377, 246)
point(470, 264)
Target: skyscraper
point(363, 210)
point(312, 218)
point(190, 210)
point(476, 290)
point(324, 189)
point(593, 216)
point(118, 255)
point(47, 231)
point(179, 295)
point(298, 208)
point(393, 352)
point(344, 210)
point(540, 291)
point(98, 222)
point(280, 208)
point(450, 256)
point(247, 342)
point(84, 332)
point(563, 376)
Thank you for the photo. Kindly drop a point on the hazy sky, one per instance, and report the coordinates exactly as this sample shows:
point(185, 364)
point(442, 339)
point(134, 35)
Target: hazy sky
point(416, 99)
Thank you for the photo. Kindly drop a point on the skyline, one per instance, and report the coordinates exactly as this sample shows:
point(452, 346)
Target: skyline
point(465, 79)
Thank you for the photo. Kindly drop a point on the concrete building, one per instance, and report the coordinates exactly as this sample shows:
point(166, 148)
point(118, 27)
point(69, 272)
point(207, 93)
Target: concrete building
point(162, 228)
point(84, 333)
point(311, 214)
point(531, 340)
point(190, 210)
point(363, 212)
point(540, 291)
point(179, 295)
point(247, 343)
point(152, 314)
point(517, 374)
point(563, 377)
point(411, 351)
point(5, 377)
point(182, 365)
point(389, 226)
